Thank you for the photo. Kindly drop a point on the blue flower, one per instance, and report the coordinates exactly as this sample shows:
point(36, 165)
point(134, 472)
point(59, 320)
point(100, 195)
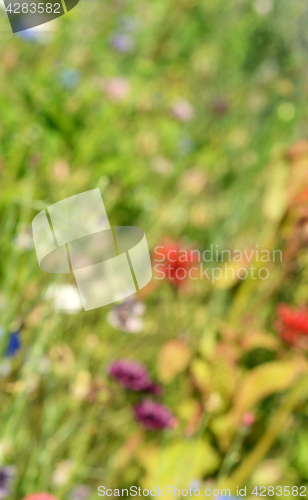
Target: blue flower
point(14, 344)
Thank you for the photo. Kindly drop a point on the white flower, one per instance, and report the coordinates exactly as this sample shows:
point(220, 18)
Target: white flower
point(65, 298)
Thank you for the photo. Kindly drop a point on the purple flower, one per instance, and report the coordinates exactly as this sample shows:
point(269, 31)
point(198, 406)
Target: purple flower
point(7, 475)
point(122, 42)
point(132, 376)
point(153, 415)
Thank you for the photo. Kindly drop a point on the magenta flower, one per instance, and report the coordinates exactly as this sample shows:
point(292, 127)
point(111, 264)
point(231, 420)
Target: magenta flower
point(154, 416)
point(132, 376)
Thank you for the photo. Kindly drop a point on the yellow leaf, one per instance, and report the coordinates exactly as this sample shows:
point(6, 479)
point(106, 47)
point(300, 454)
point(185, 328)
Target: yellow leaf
point(264, 380)
point(254, 340)
point(178, 464)
point(230, 274)
point(173, 358)
point(187, 408)
point(275, 199)
point(201, 375)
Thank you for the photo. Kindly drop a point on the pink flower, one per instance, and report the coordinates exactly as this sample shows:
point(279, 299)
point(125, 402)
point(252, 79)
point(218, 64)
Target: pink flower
point(40, 496)
point(183, 111)
point(116, 88)
point(248, 419)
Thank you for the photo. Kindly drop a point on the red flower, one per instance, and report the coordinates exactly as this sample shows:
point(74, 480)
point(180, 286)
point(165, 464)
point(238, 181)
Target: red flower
point(40, 496)
point(173, 261)
point(291, 324)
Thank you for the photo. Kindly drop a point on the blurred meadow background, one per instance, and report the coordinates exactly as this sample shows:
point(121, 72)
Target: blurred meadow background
point(190, 116)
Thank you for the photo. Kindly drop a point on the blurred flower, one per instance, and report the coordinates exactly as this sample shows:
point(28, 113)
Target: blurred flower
point(291, 324)
point(7, 475)
point(62, 473)
point(220, 106)
point(80, 492)
point(70, 77)
point(176, 261)
point(126, 316)
point(65, 298)
point(182, 111)
point(14, 344)
point(24, 240)
point(248, 419)
point(153, 415)
point(162, 166)
point(115, 88)
point(122, 42)
point(40, 496)
point(132, 375)
point(193, 181)
point(81, 386)
point(60, 170)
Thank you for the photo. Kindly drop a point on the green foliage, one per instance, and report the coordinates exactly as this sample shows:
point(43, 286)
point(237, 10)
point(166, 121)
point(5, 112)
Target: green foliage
point(224, 176)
